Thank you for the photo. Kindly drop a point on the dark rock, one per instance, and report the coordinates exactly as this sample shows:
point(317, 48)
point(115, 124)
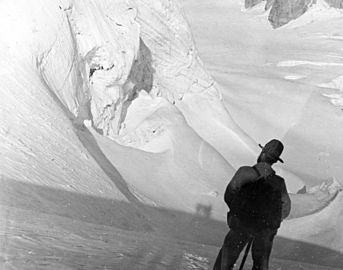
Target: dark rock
point(335, 3)
point(252, 3)
point(283, 11)
point(269, 4)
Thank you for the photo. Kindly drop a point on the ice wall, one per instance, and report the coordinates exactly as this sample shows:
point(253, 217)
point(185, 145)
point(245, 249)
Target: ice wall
point(38, 143)
point(92, 77)
point(104, 63)
point(178, 68)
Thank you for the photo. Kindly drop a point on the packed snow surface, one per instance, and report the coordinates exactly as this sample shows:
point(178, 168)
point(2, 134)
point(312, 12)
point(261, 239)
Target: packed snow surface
point(117, 141)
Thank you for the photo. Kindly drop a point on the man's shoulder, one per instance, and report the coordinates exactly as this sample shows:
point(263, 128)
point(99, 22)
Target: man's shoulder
point(277, 177)
point(278, 181)
point(245, 168)
point(247, 171)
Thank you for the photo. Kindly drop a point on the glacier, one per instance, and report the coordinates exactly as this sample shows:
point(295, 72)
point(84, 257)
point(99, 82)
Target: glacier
point(114, 135)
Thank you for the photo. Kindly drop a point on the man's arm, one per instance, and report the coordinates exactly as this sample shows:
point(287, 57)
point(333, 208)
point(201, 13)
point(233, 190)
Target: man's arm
point(286, 202)
point(242, 176)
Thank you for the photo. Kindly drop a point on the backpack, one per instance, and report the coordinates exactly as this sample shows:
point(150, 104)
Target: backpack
point(258, 204)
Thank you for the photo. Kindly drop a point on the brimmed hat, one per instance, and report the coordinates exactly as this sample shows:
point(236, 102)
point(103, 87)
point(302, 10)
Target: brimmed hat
point(273, 148)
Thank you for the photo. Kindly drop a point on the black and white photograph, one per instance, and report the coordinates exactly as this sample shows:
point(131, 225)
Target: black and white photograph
point(171, 135)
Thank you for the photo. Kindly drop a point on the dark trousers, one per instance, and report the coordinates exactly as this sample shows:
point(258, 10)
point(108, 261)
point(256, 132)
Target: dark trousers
point(234, 243)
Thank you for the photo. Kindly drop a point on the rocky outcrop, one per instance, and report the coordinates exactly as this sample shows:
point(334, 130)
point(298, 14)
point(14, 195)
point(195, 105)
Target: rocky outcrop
point(269, 4)
point(282, 12)
point(251, 3)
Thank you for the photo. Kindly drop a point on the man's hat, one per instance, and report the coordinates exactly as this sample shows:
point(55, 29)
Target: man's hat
point(273, 148)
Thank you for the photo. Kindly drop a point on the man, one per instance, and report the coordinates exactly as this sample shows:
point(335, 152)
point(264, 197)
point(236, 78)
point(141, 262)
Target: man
point(258, 202)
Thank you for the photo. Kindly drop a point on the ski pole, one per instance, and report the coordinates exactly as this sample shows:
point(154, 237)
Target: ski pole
point(246, 253)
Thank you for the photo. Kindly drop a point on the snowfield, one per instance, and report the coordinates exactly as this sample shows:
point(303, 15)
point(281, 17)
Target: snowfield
point(121, 123)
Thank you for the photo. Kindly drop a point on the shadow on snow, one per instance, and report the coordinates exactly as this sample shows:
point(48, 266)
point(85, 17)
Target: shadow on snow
point(48, 223)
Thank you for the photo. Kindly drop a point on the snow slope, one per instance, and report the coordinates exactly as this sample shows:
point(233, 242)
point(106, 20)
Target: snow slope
point(115, 137)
